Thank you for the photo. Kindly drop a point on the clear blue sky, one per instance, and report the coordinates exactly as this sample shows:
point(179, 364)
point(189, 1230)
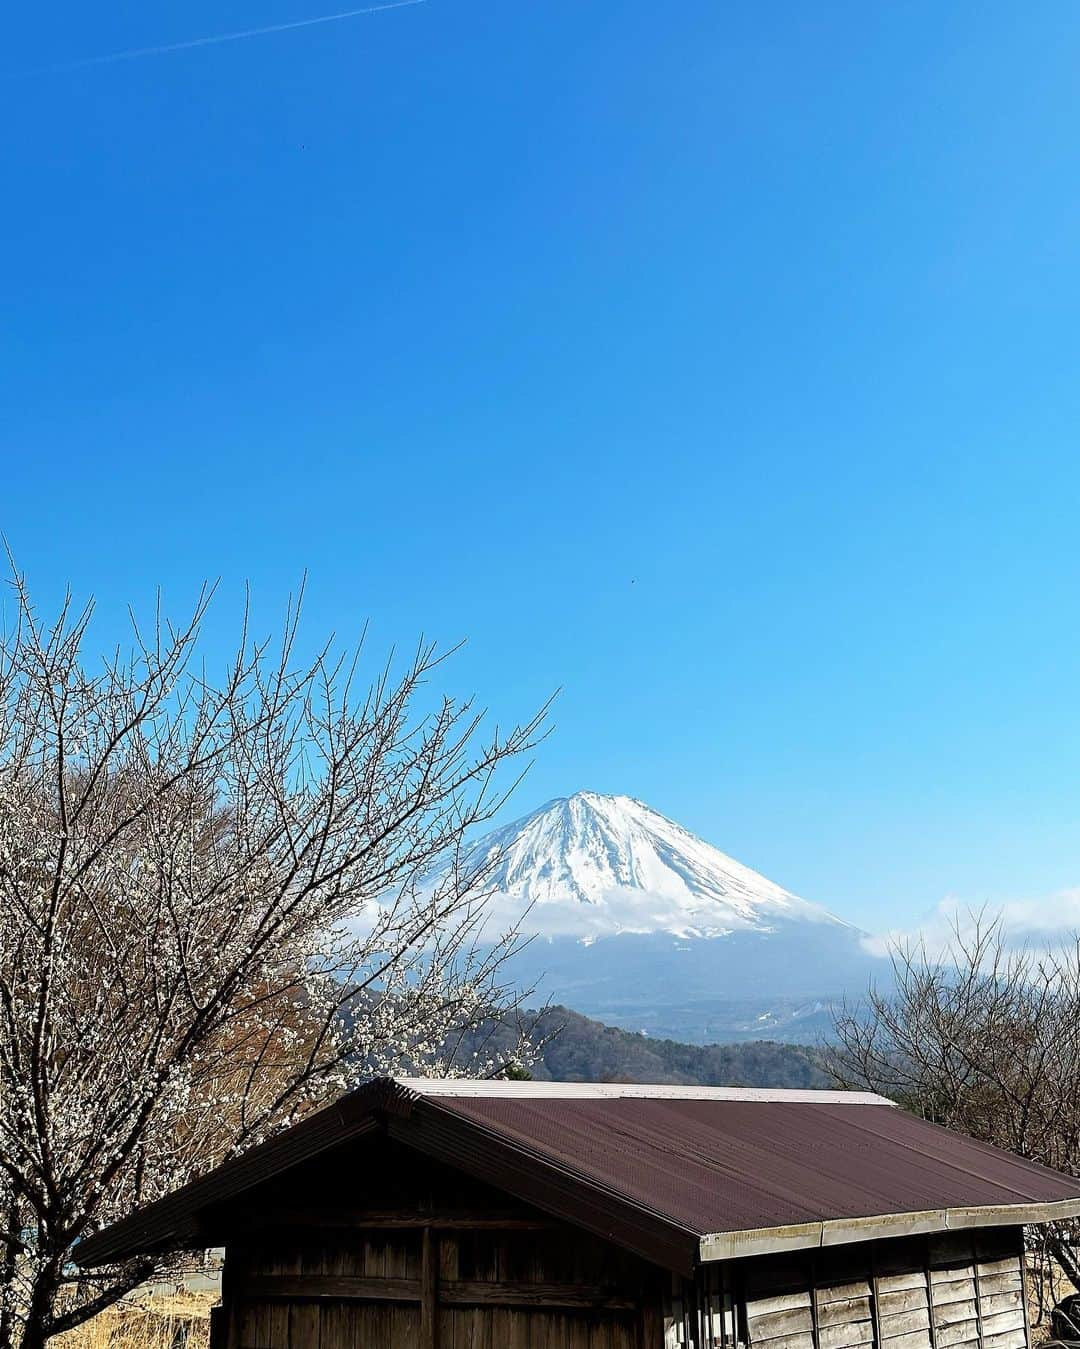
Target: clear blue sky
point(717, 362)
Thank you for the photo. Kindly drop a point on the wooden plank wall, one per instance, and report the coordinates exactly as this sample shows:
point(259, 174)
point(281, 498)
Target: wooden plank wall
point(544, 1287)
point(701, 1313)
point(978, 1295)
point(385, 1250)
point(777, 1304)
point(844, 1299)
point(431, 1289)
point(954, 1291)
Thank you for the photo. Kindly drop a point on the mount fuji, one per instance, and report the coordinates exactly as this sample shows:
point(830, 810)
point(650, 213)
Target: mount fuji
point(642, 925)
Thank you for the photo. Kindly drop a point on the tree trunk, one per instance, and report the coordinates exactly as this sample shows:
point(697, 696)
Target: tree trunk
point(42, 1305)
point(7, 1277)
point(33, 1336)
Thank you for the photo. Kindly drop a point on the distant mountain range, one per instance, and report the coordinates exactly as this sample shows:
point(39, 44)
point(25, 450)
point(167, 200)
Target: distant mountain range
point(640, 924)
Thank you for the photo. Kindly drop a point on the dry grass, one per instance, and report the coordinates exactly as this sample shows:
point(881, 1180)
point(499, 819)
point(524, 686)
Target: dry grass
point(173, 1321)
point(1046, 1285)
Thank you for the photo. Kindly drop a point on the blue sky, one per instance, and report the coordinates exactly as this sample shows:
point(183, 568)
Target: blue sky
point(716, 363)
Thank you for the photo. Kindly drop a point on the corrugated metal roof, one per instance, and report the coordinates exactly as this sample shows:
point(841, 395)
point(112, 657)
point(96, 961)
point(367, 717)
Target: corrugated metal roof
point(714, 1167)
point(675, 1175)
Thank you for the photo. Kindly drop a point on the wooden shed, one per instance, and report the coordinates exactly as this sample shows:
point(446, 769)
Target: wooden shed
point(416, 1214)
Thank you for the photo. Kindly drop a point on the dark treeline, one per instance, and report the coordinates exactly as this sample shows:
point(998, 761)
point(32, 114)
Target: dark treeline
point(575, 1049)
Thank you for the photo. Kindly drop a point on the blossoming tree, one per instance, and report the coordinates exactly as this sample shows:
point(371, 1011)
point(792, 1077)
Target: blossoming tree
point(213, 917)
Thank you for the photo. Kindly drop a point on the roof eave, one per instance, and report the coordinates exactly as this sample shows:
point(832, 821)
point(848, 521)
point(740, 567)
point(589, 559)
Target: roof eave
point(843, 1231)
point(170, 1224)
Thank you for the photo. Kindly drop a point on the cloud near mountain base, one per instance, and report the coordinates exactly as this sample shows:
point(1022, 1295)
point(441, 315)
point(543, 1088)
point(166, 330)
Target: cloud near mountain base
point(1045, 921)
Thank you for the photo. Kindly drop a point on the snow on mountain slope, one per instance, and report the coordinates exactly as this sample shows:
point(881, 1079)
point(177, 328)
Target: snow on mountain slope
point(590, 865)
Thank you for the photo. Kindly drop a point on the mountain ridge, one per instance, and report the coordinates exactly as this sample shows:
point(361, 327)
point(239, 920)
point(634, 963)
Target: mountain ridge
point(591, 865)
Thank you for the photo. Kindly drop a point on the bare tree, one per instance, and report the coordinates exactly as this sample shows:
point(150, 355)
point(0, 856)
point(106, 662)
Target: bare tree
point(215, 913)
point(983, 1038)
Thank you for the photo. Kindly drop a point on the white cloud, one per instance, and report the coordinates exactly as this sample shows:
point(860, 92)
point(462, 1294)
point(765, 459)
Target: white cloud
point(1046, 920)
point(618, 909)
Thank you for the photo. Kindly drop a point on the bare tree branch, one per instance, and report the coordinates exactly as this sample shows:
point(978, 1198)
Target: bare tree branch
point(983, 1038)
point(221, 903)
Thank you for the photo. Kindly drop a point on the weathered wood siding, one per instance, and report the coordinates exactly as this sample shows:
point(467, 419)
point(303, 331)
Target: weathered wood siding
point(370, 1290)
point(954, 1291)
point(978, 1294)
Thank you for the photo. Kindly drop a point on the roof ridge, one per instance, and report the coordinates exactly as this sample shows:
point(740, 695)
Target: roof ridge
point(486, 1088)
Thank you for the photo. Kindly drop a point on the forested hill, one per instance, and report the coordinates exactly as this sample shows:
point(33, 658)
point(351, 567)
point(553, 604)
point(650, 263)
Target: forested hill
point(581, 1050)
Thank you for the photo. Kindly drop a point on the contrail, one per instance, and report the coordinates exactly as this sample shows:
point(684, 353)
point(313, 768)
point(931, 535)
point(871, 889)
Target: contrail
point(134, 53)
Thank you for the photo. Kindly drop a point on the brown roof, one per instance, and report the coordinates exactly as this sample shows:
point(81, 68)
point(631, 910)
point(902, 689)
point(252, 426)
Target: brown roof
point(677, 1174)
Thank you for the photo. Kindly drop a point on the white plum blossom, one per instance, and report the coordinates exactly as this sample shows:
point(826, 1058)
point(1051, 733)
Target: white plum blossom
point(214, 916)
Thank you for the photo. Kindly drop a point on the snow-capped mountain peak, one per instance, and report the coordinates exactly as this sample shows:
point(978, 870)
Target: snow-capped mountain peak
point(591, 865)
